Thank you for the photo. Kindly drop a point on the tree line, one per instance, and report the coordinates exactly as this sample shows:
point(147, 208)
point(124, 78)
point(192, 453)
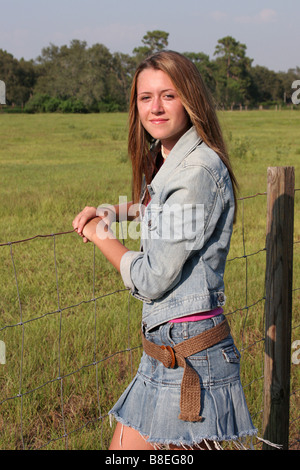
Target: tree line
point(78, 78)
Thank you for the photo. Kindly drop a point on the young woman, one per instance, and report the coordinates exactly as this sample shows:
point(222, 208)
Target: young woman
point(187, 391)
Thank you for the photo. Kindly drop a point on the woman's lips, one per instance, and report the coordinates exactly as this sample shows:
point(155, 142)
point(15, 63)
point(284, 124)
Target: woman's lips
point(158, 121)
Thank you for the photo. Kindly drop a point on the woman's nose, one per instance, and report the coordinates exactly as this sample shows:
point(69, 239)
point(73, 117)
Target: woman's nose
point(157, 107)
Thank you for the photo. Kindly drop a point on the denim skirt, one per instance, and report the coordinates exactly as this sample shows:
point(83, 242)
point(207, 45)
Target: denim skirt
point(151, 403)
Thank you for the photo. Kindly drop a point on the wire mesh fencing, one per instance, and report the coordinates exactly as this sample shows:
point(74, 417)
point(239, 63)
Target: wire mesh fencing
point(69, 333)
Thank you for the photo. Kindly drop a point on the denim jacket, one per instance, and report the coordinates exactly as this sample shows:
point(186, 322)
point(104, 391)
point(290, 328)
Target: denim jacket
point(185, 235)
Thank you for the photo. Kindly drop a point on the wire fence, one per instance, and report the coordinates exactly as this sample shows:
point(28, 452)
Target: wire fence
point(21, 425)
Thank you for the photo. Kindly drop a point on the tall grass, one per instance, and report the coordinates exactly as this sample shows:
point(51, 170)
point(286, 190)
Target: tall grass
point(51, 167)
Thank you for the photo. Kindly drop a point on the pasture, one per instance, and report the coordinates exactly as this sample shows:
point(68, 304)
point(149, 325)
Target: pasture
point(64, 368)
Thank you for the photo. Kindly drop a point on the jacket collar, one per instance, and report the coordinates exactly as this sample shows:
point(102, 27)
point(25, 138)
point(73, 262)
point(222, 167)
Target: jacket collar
point(185, 145)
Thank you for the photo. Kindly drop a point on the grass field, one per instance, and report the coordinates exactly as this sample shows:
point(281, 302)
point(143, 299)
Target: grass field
point(63, 370)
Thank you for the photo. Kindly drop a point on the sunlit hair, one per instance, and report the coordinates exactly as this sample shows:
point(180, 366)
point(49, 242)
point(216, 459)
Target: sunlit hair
point(197, 102)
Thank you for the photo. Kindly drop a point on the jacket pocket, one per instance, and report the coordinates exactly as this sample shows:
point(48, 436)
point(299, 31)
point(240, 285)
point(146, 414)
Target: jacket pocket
point(151, 218)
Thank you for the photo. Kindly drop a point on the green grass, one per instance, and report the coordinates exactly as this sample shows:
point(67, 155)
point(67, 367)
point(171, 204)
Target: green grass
point(51, 167)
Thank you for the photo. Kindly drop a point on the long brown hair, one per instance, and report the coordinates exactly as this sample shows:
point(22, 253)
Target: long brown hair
point(197, 102)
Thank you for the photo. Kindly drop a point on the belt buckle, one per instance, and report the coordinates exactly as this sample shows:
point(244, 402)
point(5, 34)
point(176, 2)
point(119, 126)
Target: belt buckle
point(171, 351)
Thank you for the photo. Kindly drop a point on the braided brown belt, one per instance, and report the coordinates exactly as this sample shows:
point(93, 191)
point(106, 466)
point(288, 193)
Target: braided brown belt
point(190, 398)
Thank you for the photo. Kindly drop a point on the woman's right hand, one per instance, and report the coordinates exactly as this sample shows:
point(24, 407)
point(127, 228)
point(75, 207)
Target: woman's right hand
point(82, 219)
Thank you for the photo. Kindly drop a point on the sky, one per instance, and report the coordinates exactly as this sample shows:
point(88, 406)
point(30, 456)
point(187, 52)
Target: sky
point(269, 28)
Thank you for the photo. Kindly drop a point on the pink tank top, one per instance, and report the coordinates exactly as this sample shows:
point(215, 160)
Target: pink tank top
point(199, 316)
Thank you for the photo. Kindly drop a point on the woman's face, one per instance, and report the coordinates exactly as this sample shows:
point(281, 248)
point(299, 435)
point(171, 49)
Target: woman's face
point(160, 109)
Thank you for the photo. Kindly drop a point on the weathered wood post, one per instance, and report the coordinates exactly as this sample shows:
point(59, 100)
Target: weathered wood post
point(278, 306)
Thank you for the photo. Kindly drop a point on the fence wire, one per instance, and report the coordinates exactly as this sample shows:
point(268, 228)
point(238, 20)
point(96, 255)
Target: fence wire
point(23, 391)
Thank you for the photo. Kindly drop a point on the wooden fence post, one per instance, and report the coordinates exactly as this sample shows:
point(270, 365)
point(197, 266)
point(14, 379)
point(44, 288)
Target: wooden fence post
point(278, 305)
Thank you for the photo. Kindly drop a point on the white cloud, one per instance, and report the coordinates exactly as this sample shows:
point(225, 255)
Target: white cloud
point(113, 35)
point(267, 16)
point(264, 16)
point(16, 36)
point(218, 15)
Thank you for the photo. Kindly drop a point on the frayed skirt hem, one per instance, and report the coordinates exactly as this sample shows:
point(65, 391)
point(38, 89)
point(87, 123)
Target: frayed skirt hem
point(160, 444)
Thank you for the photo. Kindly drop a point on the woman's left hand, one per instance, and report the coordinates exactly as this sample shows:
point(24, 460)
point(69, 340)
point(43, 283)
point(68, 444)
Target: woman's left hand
point(98, 232)
point(86, 215)
point(97, 227)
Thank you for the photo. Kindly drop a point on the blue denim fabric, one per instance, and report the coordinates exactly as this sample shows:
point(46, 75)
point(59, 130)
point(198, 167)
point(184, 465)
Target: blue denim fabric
point(182, 273)
point(151, 403)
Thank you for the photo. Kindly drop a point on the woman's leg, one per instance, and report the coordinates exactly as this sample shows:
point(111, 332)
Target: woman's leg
point(126, 438)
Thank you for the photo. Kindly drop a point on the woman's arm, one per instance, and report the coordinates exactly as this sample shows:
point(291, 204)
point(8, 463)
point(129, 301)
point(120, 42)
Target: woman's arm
point(98, 232)
point(125, 211)
point(93, 225)
point(117, 213)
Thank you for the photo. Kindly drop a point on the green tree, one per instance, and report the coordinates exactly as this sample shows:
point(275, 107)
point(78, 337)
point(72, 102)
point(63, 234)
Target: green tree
point(124, 67)
point(91, 76)
point(76, 78)
point(19, 77)
point(287, 78)
point(205, 67)
point(233, 72)
point(266, 85)
point(154, 41)
point(62, 69)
